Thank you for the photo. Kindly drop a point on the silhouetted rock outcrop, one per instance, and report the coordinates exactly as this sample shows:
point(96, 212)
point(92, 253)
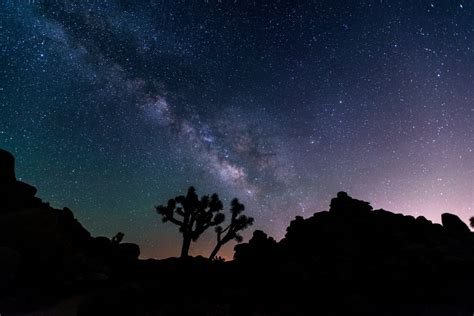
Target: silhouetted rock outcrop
point(42, 247)
point(14, 194)
point(39, 233)
point(260, 247)
point(343, 203)
point(356, 251)
point(453, 224)
point(128, 250)
point(7, 167)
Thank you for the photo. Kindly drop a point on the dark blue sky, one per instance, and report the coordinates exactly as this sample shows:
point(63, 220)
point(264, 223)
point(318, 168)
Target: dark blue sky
point(112, 107)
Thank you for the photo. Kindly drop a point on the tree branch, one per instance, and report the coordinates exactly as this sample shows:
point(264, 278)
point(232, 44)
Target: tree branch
point(175, 221)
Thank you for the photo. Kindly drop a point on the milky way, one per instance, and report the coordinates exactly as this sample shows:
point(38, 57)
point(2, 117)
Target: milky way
point(112, 107)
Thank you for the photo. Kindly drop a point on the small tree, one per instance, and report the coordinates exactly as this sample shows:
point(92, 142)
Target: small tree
point(117, 239)
point(196, 215)
point(238, 222)
point(472, 221)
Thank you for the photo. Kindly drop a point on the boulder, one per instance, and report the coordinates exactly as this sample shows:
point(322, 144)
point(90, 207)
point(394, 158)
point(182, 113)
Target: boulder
point(260, 247)
point(100, 245)
point(14, 194)
point(346, 205)
point(128, 250)
point(423, 221)
point(7, 167)
point(454, 224)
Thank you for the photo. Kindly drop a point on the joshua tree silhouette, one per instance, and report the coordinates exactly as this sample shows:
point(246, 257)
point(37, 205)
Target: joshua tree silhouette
point(237, 223)
point(117, 239)
point(196, 214)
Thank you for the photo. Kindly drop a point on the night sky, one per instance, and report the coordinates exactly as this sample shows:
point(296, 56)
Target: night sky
point(113, 107)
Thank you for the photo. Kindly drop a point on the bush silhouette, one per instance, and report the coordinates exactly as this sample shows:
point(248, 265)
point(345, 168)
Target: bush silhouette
point(472, 221)
point(196, 214)
point(237, 223)
point(218, 259)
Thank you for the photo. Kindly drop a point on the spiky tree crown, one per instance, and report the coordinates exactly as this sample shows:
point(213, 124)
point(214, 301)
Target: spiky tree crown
point(237, 223)
point(191, 214)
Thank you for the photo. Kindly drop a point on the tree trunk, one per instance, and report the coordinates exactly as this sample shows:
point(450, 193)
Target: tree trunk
point(215, 251)
point(185, 248)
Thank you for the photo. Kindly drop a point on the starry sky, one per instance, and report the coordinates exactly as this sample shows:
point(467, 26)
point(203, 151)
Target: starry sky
point(113, 107)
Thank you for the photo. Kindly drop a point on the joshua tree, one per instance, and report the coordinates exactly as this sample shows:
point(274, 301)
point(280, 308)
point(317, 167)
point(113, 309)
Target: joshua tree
point(238, 222)
point(196, 214)
point(117, 239)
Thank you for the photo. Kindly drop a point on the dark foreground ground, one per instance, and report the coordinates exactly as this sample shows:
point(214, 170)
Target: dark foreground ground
point(350, 260)
point(199, 287)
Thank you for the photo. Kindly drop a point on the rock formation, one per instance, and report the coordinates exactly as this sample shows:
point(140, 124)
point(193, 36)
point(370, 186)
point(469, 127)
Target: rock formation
point(45, 247)
point(372, 253)
point(14, 194)
point(453, 224)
